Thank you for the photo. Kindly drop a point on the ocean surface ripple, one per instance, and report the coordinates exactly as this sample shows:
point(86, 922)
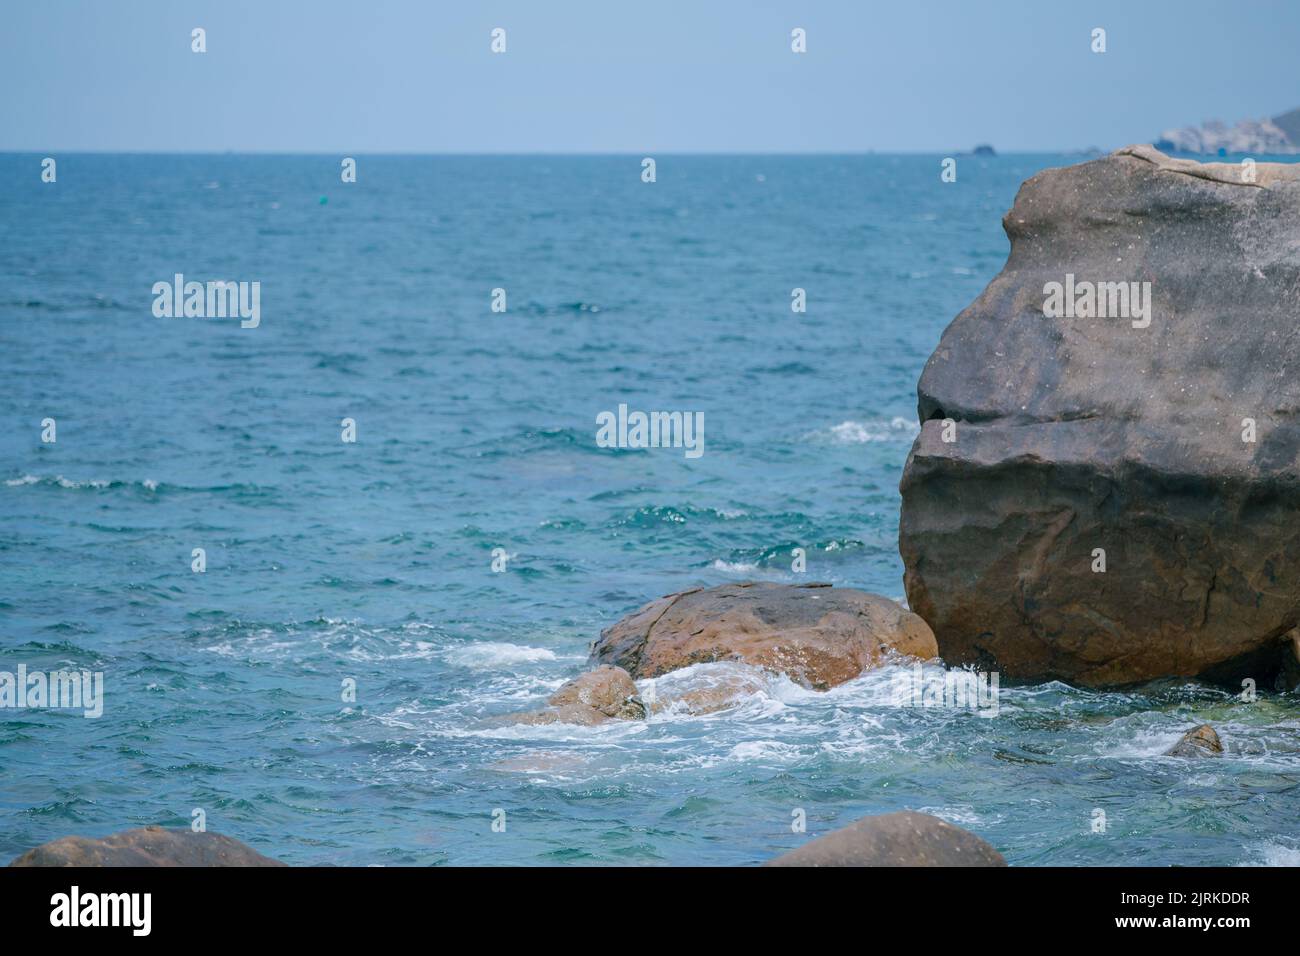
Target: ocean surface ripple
point(372, 561)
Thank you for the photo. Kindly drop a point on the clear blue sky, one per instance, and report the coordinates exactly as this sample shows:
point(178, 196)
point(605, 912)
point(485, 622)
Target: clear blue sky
point(633, 77)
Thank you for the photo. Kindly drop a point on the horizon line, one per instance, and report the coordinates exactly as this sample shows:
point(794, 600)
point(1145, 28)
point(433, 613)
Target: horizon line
point(969, 151)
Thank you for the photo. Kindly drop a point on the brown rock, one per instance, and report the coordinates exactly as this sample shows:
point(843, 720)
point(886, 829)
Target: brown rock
point(1122, 433)
point(818, 635)
point(606, 693)
point(1200, 741)
point(146, 846)
point(895, 839)
point(609, 690)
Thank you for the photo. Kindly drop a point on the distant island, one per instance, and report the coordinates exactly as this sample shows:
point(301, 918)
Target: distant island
point(1281, 134)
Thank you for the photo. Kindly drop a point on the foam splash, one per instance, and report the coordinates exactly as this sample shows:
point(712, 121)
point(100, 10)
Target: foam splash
point(896, 429)
point(58, 481)
point(488, 655)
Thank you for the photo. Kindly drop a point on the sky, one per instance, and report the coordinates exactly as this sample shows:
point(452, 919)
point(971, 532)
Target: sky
point(621, 76)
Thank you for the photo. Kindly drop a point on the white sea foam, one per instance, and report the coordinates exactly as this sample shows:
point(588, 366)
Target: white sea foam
point(61, 482)
point(487, 655)
point(1272, 853)
point(58, 480)
point(739, 692)
point(734, 567)
point(962, 816)
point(1137, 743)
point(586, 735)
point(765, 752)
point(896, 429)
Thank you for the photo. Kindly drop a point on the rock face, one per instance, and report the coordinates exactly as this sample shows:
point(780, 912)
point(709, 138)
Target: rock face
point(1124, 435)
point(606, 693)
point(820, 636)
point(147, 846)
point(895, 839)
point(1200, 741)
point(1289, 679)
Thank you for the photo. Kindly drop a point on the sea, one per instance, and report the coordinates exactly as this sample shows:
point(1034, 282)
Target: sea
point(306, 641)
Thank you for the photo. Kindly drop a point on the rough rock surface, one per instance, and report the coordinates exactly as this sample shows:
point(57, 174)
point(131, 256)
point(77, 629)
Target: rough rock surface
point(1200, 741)
point(1076, 434)
point(1289, 678)
point(820, 636)
point(606, 693)
point(895, 839)
point(146, 846)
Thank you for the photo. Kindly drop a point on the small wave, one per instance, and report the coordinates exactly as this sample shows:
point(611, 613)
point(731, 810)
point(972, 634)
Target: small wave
point(58, 481)
point(489, 655)
point(1272, 853)
point(964, 816)
point(765, 752)
point(734, 567)
point(556, 733)
point(545, 762)
point(735, 691)
point(561, 308)
point(786, 368)
point(651, 515)
point(537, 440)
point(874, 430)
point(97, 484)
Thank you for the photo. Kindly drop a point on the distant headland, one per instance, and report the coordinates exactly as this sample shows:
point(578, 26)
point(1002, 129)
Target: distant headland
point(1279, 135)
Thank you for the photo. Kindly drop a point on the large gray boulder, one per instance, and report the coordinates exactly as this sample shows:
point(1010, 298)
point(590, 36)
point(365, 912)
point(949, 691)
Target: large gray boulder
point(1071, 437)
point(146, 846)
point(816, 634)
point(895, 839)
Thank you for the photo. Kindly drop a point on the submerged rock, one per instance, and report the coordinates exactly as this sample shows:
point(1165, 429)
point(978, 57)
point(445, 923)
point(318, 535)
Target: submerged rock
point(704, 688)
point(146, 846)
point(895, 839)
point(1107, 500)
point(818, 635)
point(606, 693)
point(1200, 741)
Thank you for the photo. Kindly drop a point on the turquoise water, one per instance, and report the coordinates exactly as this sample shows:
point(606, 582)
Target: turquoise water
point(372, 561)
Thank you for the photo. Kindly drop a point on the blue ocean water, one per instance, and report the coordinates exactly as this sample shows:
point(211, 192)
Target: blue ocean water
point(372, 561)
